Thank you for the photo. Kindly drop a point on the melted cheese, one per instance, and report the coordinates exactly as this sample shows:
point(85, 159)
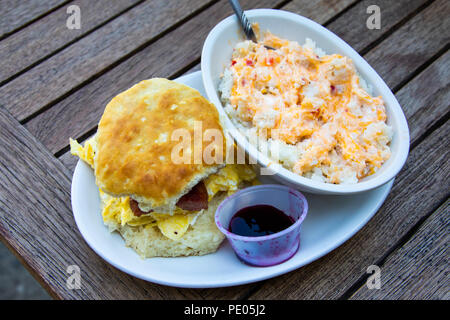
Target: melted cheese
point(85, 153)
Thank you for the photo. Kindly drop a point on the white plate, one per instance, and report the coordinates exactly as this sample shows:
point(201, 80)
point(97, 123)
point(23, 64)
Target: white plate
point(331, 220)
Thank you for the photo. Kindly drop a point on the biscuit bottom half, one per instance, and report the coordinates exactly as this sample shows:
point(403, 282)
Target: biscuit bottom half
point(203, 237)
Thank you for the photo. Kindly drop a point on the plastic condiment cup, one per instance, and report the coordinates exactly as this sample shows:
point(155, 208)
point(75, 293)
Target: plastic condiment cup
point(267, 250)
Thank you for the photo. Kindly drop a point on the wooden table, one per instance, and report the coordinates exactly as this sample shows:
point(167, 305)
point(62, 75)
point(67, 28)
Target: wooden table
point(56, 81)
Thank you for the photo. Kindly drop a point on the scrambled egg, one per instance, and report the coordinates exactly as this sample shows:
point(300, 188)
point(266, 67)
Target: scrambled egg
point(85, 153)
point(312, 103)
point(228, 179)
point(118, 211)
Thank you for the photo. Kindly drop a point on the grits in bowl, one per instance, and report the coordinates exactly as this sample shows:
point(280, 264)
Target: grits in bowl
point(312, 111)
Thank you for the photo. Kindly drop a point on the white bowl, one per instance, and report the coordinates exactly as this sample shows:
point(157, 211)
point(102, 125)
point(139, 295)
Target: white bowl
point(216, 56)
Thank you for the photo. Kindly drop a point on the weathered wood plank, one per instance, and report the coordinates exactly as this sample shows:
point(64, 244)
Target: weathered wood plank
point(426, 98)
point(320, 11)
point(83, 109)
point(413, 44)
point(422, 185)
point(69, 161)
point(36, 222)
point(85, 58)
point(355, 31)
point(38, 40)
point(420, 268)
point(17, 13)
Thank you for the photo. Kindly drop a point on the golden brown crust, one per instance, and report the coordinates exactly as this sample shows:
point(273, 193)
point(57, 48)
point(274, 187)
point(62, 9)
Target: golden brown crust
point(135, 142)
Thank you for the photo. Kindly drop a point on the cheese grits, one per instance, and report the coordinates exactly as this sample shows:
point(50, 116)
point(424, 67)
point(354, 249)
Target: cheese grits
point(313, 108)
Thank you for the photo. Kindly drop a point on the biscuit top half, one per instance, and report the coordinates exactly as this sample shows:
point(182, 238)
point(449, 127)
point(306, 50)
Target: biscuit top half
point(146, 143)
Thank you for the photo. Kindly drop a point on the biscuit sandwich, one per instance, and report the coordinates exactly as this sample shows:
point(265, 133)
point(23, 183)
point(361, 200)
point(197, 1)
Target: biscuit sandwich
point(160, 205)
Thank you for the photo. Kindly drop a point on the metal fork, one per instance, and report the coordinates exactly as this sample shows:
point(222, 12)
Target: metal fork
point(245, 24)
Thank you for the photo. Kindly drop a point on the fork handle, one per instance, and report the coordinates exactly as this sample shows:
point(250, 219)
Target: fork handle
point(248, 30)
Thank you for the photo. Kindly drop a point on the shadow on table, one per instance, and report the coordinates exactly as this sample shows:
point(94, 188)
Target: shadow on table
point(15, 281)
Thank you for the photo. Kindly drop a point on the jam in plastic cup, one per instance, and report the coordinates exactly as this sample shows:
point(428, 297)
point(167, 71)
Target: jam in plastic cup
point(267, 250)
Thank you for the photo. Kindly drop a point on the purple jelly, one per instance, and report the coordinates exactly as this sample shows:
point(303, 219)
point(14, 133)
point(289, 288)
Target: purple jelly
point(259, 220)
